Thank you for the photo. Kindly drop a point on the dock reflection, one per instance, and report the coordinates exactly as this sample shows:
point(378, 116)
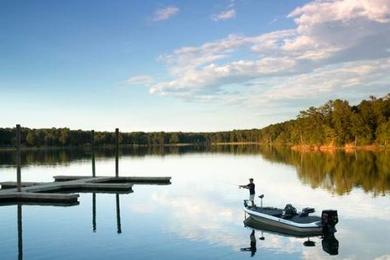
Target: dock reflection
point(20, 221)
point(329, 242)
point(20, 232)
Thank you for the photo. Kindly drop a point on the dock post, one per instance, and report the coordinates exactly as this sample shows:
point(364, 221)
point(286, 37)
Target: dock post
point(93, 175)
point(117, 152)
point(93, 153)
point(118, 215)
point(18, 160)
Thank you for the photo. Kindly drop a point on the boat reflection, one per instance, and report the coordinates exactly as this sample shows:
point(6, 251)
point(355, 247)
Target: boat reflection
point(329, 242)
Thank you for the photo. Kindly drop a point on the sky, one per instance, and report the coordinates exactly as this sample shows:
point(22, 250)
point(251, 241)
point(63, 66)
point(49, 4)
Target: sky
point(205, 65)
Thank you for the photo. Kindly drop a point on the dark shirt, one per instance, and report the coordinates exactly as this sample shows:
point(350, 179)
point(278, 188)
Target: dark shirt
point(251, 187)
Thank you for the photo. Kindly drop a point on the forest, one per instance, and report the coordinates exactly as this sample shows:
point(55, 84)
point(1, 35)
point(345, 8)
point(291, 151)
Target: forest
point(336, 123)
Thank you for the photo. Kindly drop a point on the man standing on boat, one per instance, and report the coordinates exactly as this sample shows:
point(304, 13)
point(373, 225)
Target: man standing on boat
point(251, 188)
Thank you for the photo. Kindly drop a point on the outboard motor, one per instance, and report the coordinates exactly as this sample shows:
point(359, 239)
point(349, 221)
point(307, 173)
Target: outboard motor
point(329, 219)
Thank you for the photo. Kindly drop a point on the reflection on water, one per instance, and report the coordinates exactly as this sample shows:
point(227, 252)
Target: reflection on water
point(329, 242)
point(338, 172)
point(20, 221)
point(64, 156)
point(252, 244)
point(200, 215)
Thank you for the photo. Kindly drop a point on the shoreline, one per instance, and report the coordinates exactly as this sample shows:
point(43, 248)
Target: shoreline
point(333, 148)
point(107, 146)
point(298, 148)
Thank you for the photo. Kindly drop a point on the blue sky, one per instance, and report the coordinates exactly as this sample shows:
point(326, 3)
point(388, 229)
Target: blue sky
point(186, 65)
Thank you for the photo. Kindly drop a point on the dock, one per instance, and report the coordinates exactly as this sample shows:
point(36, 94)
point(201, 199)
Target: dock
point(131, 179)
point(64, 190)
point(61, 191)
point(29, 198)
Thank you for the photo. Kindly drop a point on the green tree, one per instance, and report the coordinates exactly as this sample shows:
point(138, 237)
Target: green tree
point(383, 133)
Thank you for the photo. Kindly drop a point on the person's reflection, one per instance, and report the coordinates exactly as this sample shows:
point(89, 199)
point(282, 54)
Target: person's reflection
point(252, 247)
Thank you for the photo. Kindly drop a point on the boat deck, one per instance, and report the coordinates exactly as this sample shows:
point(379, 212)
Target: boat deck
point(275, 212)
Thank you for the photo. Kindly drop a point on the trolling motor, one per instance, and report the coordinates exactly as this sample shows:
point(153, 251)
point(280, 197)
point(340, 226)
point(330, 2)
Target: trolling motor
point(261, 198)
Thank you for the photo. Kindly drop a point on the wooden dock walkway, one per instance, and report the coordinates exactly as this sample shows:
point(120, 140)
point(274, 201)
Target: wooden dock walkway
point(131, 179)
point(60, 191)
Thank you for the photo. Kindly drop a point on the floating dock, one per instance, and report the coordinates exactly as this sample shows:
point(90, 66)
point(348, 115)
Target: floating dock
point(63, 191)
point(132, 179)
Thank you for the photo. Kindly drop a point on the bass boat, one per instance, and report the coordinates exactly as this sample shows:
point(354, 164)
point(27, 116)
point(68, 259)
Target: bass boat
point(291, 221)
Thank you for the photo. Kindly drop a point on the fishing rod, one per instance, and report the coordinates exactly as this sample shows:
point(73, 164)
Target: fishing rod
point(234, 184)
point(229, 183)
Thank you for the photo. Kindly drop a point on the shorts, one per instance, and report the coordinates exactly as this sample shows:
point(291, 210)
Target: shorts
point(252, 197)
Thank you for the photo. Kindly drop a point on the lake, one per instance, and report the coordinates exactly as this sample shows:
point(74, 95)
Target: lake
point(199, 215)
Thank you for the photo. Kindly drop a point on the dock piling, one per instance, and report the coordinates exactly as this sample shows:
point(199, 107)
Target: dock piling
point(116, 152)
point(93, 153)
point(18, 159)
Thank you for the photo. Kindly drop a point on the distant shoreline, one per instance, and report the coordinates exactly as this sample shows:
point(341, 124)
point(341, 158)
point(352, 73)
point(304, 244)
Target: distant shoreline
point(298, 148)
point(332, 148)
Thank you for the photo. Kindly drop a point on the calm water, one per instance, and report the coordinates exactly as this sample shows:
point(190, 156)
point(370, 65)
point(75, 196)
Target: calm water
point(199, 216)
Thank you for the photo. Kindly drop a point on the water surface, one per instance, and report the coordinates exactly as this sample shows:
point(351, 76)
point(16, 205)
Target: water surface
point(198, 216)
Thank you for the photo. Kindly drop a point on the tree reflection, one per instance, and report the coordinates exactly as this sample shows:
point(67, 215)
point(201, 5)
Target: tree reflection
point(338, 172)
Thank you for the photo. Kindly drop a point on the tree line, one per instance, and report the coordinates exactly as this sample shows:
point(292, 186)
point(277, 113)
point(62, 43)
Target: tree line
point(334, 123)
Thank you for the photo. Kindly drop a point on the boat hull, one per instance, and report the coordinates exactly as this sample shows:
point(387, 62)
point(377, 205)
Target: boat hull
point(286, 226)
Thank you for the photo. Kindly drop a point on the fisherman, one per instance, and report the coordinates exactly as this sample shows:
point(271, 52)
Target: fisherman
point(251, 188)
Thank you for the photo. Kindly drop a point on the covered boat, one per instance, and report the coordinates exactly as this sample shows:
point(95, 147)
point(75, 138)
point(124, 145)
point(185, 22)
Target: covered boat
point(290, 221)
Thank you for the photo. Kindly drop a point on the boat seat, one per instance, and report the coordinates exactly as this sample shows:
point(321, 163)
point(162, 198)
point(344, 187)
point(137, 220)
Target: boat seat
point(287, 216)
point(306, 211)
point(289, 211)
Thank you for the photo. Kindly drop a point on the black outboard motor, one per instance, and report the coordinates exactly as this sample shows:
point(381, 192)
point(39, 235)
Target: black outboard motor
point(329, 219)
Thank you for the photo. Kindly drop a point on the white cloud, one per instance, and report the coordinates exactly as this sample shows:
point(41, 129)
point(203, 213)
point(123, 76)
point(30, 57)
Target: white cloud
point(330, 80)
point(225, 15)
point(329, 37)
point(165, 13)
point(140, 80)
